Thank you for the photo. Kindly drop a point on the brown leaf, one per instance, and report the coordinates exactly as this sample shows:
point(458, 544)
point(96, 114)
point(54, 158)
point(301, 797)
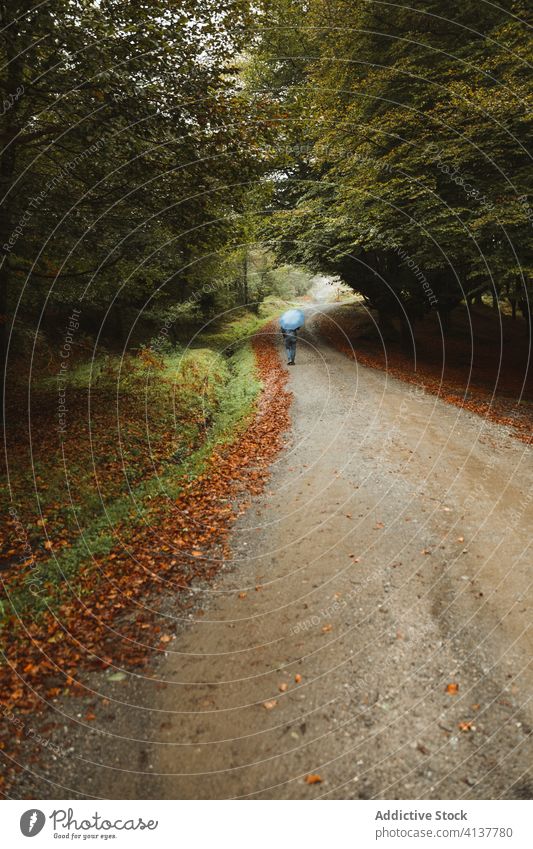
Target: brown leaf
point(271, 703)
point(452, 689)
point(326, 628)
point(297, 678)
point(313, 778)
point(283, 687)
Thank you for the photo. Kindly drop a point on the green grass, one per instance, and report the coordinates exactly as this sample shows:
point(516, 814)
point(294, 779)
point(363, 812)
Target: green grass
point(210, 392)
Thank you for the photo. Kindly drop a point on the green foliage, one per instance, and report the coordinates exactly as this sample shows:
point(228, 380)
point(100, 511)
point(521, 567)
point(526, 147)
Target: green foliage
point(209, 396)
point(124, 153)
point(412, 178)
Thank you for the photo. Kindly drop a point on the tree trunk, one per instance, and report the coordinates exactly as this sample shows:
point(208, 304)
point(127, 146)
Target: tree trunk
point(118, 323)
point(4, 279)
point(407, 337)
point(445, 315)
point(14, 93)
point(245, 278)
point(387, 329)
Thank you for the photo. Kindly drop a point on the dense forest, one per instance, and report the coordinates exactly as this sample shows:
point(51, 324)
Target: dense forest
point(405, 149)
point(126, 163)
point(386, 145)
point(174, 176)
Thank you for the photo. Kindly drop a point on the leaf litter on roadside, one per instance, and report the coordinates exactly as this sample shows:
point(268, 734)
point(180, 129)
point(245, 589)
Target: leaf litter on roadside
point(105, 623)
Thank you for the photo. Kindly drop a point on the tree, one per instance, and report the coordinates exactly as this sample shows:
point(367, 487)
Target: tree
point(415, 125)
point(125, 149)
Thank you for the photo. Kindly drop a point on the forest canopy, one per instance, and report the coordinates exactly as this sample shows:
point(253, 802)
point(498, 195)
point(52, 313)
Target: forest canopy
point(403, 139)
point(146, 145)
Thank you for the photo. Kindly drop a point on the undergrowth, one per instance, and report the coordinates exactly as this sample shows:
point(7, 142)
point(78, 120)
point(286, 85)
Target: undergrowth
point(138, 428)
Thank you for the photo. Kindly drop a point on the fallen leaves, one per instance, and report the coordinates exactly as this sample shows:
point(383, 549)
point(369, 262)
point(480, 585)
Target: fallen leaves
point(327, 628)
point(107, 623)
point(270, 704)
point(470, 388)
point(452, 689)
point(117, 676)
point(466, 726)
point(297, 678)
point(313, 778)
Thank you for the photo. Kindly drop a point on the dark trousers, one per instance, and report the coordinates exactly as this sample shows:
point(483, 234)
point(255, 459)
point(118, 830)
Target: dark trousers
point(290, 347)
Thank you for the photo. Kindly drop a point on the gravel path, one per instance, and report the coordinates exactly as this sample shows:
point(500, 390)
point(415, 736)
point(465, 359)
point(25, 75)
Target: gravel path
point(387, 560)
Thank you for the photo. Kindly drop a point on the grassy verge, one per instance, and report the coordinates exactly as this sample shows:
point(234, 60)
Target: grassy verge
point(153, 422)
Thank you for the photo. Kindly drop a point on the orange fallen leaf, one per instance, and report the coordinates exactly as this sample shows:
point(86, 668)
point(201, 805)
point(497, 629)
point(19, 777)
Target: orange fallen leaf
point(475, 707)
point(326, 628)
point(271, 703)
point(48, 545)
point(243, 595)
point(466, 726)
point(452, 689)
point(90, 716)
point(283, 687)
point(297, 678)
point(313, 778)
point(166, 638)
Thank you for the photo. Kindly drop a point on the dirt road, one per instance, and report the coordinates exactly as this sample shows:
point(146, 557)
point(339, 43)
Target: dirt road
point(387, 560)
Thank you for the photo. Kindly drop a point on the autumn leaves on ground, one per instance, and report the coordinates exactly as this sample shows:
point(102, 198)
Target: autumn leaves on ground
point(135, 501)
point(481, 364)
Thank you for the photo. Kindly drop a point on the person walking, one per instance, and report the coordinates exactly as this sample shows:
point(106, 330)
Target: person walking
point(290, 337)
point(290, 322)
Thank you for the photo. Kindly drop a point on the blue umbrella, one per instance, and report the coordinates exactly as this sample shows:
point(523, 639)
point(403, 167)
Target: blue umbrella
point(292, 320)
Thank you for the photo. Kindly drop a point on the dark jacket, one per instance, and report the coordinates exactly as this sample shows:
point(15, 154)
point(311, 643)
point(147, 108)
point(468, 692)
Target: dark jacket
point(289, 335)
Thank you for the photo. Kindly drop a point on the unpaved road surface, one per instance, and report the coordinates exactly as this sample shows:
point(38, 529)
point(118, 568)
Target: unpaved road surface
point(387, 559)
